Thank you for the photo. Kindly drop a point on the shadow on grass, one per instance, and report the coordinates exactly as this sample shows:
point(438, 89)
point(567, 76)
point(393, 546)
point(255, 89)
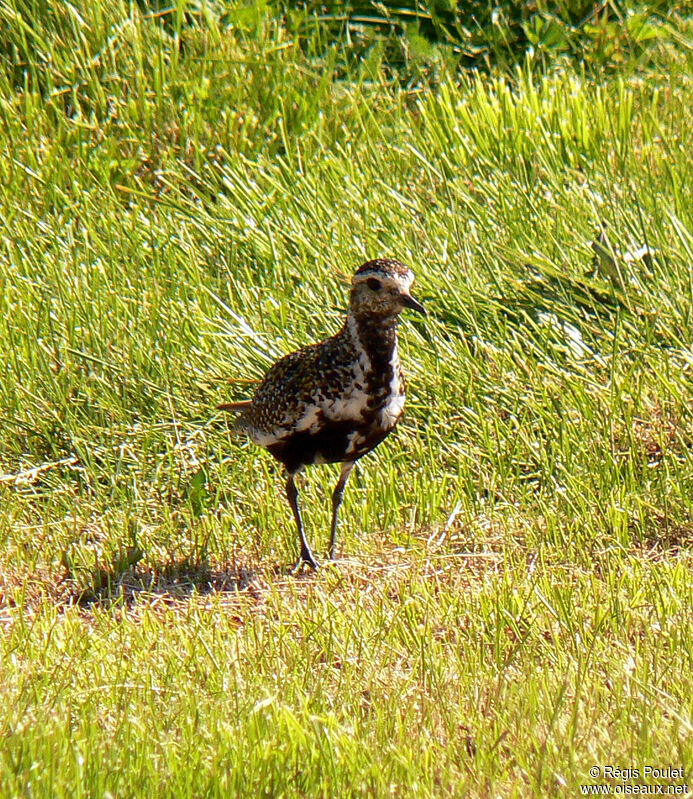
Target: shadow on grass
point(123, 583)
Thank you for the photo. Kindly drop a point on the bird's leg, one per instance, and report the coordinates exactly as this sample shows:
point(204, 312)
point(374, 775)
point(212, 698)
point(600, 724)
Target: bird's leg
point(337, 495)
point(292, 494)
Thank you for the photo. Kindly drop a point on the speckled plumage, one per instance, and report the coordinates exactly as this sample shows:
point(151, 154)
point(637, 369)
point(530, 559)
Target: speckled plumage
point(314, 375)
point(387, 266)
point(334, 401)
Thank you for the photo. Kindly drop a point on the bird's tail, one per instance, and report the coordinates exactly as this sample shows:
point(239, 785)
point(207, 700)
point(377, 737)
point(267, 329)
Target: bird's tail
point(235, 407)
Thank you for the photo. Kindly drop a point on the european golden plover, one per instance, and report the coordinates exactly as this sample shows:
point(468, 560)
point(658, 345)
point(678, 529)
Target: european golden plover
point(334, 401)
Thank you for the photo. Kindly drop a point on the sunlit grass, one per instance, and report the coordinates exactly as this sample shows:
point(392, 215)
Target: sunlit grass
point(513, 603)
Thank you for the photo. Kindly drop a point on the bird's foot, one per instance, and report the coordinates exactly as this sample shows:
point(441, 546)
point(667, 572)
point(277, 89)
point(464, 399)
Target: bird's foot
point(306, 559)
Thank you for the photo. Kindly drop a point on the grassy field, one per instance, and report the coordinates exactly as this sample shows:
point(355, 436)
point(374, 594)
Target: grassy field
point(513, 603)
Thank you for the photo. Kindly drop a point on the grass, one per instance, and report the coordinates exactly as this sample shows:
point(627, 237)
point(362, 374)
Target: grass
point(513, 603)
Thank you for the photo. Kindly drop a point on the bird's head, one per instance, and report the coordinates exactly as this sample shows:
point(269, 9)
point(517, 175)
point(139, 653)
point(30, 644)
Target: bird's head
point(380, 288)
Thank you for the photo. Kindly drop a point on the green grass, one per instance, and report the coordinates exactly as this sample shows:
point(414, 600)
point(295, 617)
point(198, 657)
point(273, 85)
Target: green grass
point(513, 602)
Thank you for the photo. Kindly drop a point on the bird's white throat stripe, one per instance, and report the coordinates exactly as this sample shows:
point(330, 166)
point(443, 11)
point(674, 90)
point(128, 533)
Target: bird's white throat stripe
point(363, 361)
point(395, 403)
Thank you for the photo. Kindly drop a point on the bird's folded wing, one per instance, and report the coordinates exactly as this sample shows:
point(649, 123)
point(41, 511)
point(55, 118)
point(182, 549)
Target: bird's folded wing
point(305, 388)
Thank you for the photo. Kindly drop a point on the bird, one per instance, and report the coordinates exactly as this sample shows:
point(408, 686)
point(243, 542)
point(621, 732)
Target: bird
point(335, 401)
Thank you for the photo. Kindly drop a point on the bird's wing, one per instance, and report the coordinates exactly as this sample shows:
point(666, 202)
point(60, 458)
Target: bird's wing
point(298, 388)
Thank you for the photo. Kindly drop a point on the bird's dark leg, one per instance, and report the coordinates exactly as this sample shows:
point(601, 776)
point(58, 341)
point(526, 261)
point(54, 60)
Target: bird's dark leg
point(337, 495)
point(292, 494)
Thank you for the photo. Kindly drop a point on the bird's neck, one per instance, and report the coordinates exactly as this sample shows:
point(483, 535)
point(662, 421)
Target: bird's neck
point(376, 336)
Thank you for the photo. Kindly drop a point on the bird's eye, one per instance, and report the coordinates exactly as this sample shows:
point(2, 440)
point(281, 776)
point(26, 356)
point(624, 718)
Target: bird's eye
point(374, 284)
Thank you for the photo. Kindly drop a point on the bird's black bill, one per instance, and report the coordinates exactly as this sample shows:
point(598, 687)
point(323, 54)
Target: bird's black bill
point(409, 302)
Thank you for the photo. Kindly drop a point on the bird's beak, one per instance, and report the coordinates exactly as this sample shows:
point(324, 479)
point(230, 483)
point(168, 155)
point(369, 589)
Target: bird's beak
point(409, 302)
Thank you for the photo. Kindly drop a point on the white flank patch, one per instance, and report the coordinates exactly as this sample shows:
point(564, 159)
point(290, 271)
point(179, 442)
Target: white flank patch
point(263, 439)
point(350, 406)
point(355, 439)
point(310, 419)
